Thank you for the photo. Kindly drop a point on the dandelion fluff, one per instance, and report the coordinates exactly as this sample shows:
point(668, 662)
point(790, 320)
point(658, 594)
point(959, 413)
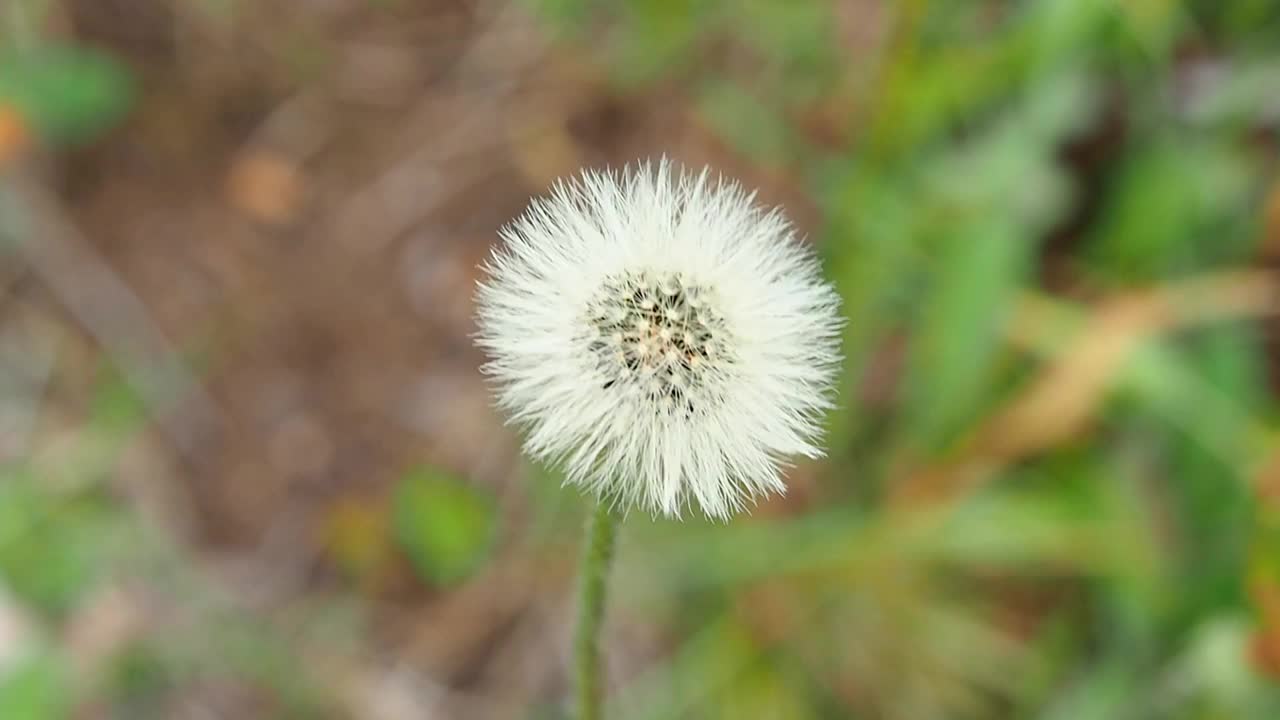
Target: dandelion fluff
point(660, 335)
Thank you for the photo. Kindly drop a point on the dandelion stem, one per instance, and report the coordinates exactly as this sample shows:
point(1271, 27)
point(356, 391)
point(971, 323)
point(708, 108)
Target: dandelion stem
point(596, 556)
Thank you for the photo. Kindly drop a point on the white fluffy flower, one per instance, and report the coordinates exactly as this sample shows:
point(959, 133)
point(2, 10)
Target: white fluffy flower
point(663, 337)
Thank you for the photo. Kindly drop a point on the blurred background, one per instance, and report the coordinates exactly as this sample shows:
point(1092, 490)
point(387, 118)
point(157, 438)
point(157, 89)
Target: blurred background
point(248, 468)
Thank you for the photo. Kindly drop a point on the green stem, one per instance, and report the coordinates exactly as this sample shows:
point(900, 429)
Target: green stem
point(596, 556)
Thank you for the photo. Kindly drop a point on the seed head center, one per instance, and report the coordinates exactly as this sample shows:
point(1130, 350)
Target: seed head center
point(658, 334)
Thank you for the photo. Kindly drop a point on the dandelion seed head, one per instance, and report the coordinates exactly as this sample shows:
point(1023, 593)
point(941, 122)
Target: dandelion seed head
point(664, 338)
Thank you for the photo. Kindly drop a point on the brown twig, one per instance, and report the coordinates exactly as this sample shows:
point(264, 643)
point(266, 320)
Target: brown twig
point(81, 280)
point(1064, 398)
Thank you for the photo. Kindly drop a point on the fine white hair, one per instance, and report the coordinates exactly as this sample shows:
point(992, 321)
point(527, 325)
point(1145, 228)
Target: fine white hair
point(662, 337)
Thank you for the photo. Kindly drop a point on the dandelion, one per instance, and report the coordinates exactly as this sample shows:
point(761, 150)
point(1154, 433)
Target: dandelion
point(666, 340)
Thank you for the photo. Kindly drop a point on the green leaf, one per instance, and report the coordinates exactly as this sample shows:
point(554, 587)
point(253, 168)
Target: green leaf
point(872, 259)
point(34, 690)
point(117, 410)
point(1174, 209)
point(54, 545)
point(51, 560)
point(66, 94)
point(660, 36)
point(137, 679)
point(445, 525)
point(751, 125)
point(977, 273)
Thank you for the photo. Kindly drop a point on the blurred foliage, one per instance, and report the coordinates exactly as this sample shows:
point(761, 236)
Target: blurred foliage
point(67, 94)
point(444, 524)
point(964, 155)
point(67, 544)
point(34, 690)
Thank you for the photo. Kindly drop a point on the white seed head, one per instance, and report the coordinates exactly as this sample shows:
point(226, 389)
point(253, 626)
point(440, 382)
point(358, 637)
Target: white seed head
point(664, 338)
